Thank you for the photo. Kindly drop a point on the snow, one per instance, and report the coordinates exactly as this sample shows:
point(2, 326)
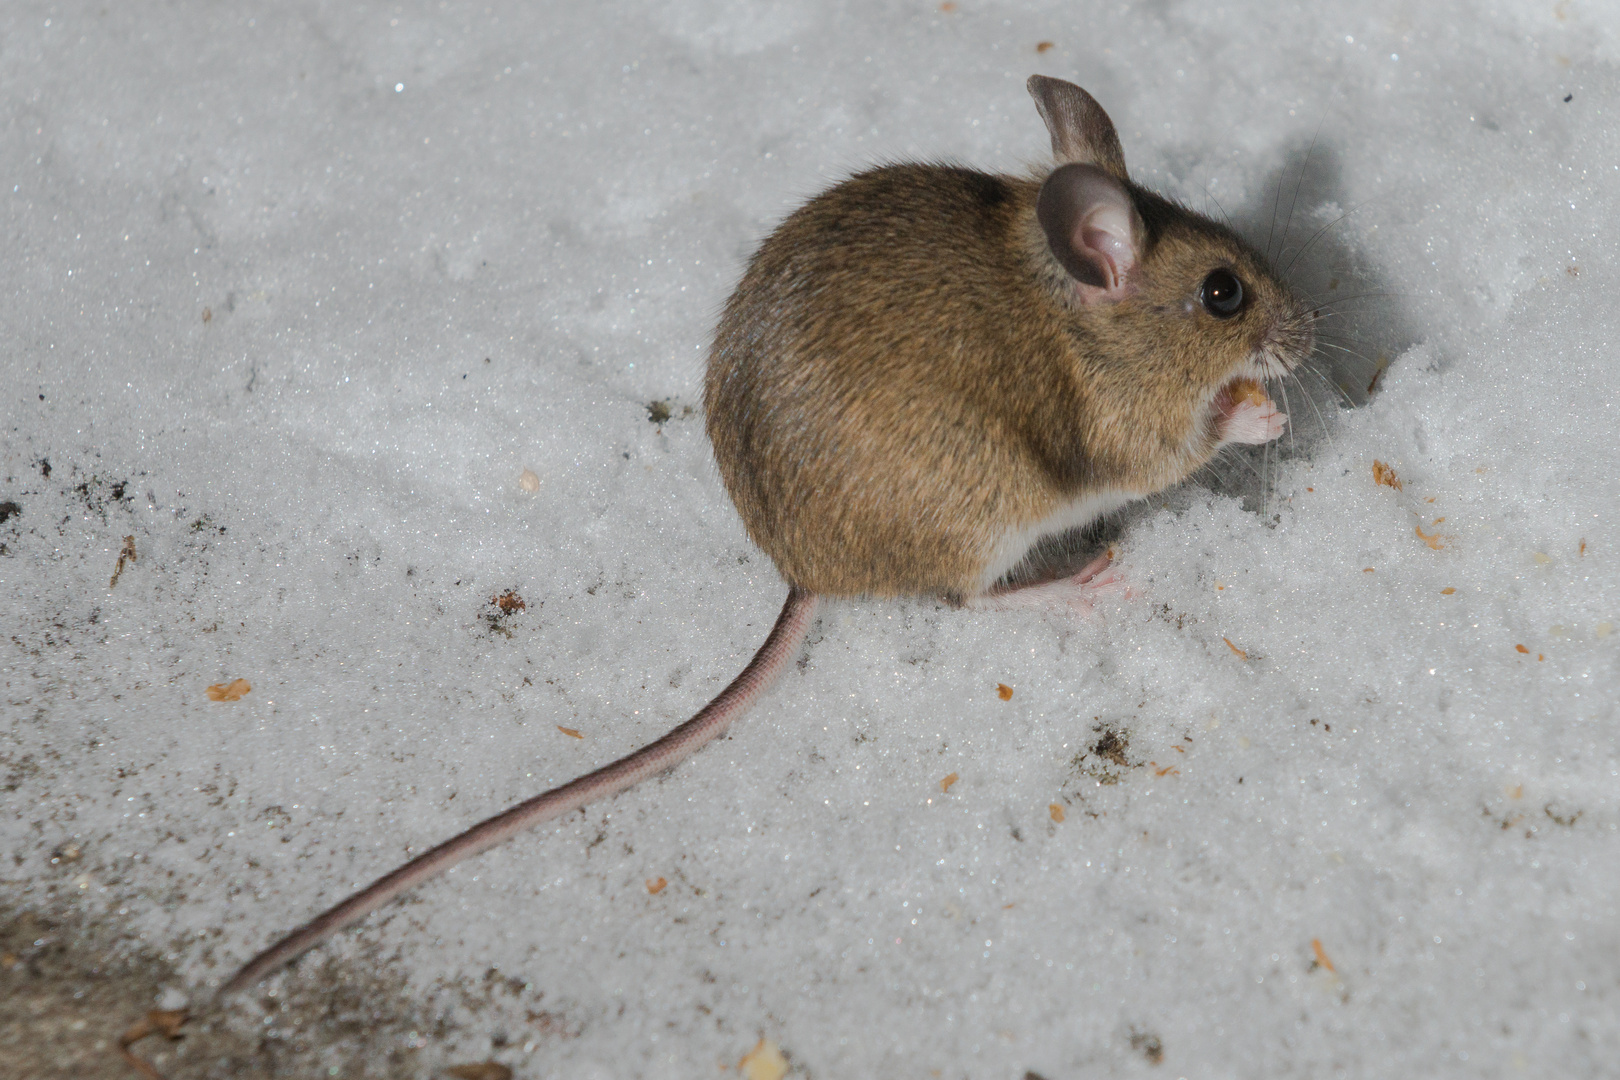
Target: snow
point(294, 295)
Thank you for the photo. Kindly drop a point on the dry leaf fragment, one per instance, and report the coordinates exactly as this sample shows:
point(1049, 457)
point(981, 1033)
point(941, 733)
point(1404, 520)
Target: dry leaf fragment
point(1004, 691)
point(483, 1070)
point(1170, 770)
point(509, 601)
point(1434, 540)
point(1383, 474)
point(1322, 956)
point(1151, 1046)
point(947, 7)
point(125, 555)
point(1044, 46)
point(656, 885)
point(1447, 591)
point(231, 691)
point(1521, 648)
point(1582, 551)
point(945, 784)
point(570, 732)
point(1240, 653)
point(1056, 811)
point(1367, 570)
point(1436, 521)
point(763, 1062)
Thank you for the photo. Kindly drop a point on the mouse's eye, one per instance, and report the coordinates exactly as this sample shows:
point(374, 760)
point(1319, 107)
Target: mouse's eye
point(1221, 294)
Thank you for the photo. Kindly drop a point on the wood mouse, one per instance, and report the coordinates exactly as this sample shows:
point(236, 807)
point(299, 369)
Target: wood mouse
point(926, 370)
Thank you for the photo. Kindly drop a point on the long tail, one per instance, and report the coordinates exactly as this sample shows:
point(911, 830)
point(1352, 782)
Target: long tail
point(779, 649)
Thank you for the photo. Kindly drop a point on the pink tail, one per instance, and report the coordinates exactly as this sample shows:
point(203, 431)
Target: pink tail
point(675, 747)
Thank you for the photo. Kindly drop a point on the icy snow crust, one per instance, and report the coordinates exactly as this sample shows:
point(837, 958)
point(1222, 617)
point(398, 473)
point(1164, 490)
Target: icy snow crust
point(293, 295)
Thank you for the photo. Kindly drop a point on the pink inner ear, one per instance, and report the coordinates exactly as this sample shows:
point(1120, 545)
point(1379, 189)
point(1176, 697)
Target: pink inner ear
point(1113, 255)
point(1107, 235)
point(1091, 227)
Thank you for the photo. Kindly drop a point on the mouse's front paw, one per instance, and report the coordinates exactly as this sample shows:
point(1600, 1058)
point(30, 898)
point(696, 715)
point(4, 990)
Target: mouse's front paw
point(1252, 424)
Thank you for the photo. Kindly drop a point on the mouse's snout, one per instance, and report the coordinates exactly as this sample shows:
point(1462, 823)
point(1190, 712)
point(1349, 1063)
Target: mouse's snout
point(1288, 342)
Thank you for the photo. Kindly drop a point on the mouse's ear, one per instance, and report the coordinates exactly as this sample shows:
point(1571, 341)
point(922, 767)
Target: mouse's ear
point(1092, 228)
point(1081, 132)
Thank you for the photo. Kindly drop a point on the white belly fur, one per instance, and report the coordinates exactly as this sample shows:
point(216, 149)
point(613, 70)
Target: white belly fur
point(1013, 545)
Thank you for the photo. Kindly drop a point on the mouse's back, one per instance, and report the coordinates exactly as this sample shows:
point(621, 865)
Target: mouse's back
point(861, 379)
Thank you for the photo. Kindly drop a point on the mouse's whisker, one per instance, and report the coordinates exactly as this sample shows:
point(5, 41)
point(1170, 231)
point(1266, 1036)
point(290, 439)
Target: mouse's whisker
point(1299, 182)
point(1344, 354)
point(1227, 217)
point(1310, 399)
point(1323, 231)
point(1336, 345)
point(1340, 333)
point(1244, 460)
point(1288, 410)
point(1276, 204)
point(1332, 316)
point(1333, 388)
point(1370, 294)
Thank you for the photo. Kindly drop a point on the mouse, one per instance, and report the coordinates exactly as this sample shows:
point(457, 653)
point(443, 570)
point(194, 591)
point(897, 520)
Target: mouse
point(925, 371)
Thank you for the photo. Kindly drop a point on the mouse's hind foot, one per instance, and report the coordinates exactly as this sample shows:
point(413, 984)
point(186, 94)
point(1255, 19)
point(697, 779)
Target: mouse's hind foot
point(1073, 595)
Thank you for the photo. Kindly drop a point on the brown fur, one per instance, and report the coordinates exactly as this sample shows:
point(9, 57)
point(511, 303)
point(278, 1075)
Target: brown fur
point(904, 373)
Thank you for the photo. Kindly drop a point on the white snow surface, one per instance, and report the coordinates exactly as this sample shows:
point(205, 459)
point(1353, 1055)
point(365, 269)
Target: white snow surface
point(294, 293)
